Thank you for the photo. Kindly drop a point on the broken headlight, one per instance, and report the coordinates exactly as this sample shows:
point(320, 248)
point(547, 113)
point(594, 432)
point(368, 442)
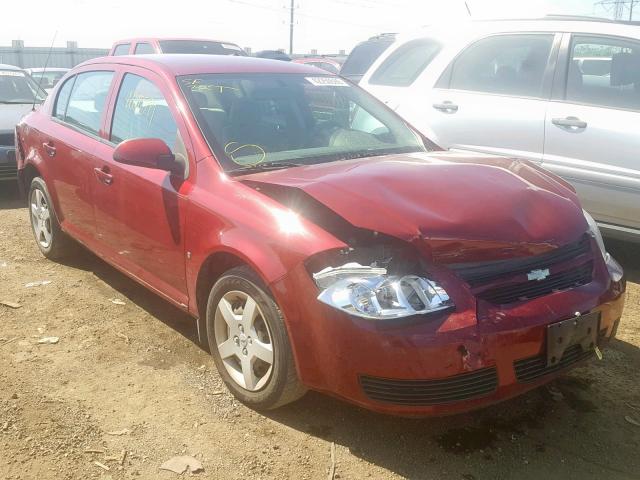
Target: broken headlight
point(370, 293)
point(594, 230)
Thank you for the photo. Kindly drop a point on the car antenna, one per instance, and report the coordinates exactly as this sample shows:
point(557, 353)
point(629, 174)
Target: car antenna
point(46, 63)
point(466, 4)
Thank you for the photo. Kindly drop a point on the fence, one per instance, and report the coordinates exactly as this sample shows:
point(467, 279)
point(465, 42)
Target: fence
point(32, 57)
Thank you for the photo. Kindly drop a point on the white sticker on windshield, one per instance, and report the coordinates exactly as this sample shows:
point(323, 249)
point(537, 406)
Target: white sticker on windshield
point(230, 46)
point(10, 73)
point(327, 81)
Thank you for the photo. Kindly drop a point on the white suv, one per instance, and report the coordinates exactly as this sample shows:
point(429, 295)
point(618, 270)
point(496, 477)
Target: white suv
point(564, 93)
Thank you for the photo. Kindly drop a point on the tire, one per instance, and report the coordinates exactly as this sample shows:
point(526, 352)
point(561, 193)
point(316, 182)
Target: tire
point(51, 240)
point(265, 388)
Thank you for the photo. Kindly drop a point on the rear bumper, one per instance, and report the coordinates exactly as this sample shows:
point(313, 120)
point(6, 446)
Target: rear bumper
point(424, 368)
point(8, 166)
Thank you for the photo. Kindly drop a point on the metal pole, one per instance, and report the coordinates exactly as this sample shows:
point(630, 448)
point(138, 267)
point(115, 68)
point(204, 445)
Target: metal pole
point(291, 29)
point(631, 10)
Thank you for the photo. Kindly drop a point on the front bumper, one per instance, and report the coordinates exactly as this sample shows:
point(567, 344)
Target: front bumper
point(424, 366)
point(8, 166)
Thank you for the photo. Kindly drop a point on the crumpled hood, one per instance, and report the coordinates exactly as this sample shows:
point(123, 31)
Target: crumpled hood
point(450, 200)
point(10, 115)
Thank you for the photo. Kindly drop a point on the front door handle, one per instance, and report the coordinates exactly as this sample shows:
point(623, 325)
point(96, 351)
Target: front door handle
point(49, 148)
point(446, 106)
point(103, 175)
point(571, 122)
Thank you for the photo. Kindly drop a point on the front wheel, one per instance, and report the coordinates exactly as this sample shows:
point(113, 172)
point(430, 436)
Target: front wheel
point(249, 342)
point(51, 240)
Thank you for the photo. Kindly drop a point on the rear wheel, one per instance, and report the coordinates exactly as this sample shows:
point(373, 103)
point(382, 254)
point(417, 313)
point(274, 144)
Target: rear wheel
point(249, 342)
point(51, 240)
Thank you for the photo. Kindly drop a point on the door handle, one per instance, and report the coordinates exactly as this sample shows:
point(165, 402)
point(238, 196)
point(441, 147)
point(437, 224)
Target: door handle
point(571, 122)
point(446, 106)
point(103, 175)
point(49, 148)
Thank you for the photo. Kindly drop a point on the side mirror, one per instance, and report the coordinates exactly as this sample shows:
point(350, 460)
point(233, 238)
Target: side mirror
point(147, 152)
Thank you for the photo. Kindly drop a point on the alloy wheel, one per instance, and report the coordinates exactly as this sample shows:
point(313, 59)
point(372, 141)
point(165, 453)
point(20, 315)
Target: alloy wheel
point(41, 218)
point(244, 340)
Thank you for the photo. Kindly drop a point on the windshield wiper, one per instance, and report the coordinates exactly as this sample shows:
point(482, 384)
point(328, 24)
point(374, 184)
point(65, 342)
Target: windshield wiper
point(263, 167)
point(16, 102)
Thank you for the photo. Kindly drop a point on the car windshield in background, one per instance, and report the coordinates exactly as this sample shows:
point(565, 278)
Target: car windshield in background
point(202, 47)
point(17, 87)
point(50, 78)
point(363, 56)
point(257, 120)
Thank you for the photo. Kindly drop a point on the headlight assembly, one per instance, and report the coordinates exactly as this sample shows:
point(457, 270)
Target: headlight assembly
point(594, 230)
point(369, 292)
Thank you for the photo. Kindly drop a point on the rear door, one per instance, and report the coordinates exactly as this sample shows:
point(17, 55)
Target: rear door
point(592, 126)
point(140, 211)
point(69, 143)
point(493, 96)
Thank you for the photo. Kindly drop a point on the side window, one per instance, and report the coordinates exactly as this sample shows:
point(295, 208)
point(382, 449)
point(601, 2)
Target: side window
point(62, 101)
point(122, 49)
point(402, 67)
point(504, 65)
point(87, 100)
point(604, 72)
point(143, 48)
point(142, 112)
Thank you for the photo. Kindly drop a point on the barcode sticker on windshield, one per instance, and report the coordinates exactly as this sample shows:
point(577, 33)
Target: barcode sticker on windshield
point(327, 81)
point(10, 73)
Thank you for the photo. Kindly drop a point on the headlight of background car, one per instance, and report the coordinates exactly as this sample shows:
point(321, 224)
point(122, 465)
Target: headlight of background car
point(369, 292)
point(594, 230)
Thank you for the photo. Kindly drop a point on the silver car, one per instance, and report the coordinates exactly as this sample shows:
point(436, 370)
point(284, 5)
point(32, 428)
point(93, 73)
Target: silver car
point(561, 92)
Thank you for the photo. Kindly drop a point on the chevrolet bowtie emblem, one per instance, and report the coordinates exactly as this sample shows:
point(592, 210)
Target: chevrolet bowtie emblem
point(540, 274)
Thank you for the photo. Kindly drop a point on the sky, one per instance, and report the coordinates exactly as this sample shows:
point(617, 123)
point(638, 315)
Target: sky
point(325, 25)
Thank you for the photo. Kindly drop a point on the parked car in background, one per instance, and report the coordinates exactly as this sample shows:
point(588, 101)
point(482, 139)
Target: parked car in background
point(47, 77)
point(561, 92)
point(327, 64)
point(18, 92)
point(273, 55)
point(364, 54)
point(337, 250)
point(148, 45)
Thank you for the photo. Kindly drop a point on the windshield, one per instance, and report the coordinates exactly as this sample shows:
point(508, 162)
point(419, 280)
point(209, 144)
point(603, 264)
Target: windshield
point(254, 119)
point(363, 56)
point(204, 47)
point(17, 87)
point(48, 79)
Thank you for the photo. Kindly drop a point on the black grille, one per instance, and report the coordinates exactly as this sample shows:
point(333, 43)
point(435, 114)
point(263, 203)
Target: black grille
point(7, 139)
point(431, 392)
point(532, 368)
point(555, 282)
point(485, 273)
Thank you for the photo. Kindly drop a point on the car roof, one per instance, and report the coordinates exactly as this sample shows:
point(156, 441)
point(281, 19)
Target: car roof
point(158, 39)
point(4, 66)
point(48, 69)
point(183, 64)
point(558, 23)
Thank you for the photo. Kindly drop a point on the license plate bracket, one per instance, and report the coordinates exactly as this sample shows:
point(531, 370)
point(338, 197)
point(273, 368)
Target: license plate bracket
point(580, 330)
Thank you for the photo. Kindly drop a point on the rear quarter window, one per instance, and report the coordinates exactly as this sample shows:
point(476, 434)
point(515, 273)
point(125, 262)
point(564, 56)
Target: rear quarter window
point(404, 65)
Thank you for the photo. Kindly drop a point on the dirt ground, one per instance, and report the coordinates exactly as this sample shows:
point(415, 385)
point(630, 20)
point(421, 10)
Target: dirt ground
point(131, 378)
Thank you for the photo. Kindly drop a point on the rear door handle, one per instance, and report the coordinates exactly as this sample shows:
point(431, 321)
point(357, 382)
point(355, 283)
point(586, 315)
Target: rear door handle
point(103, 175)
point(446, 106)
point(49, 148)
point(571, 122)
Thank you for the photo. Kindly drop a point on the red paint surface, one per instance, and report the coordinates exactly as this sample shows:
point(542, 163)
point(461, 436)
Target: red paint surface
point(453, 208)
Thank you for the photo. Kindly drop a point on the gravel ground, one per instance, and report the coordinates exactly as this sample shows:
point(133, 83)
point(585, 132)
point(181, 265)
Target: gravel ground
point(126, 386)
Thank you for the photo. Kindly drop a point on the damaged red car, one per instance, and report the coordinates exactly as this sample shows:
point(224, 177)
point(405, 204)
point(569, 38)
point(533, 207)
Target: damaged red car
point(320, 242)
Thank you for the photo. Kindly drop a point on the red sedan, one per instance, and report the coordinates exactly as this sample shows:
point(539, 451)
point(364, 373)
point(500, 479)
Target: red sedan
point(318, 239)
